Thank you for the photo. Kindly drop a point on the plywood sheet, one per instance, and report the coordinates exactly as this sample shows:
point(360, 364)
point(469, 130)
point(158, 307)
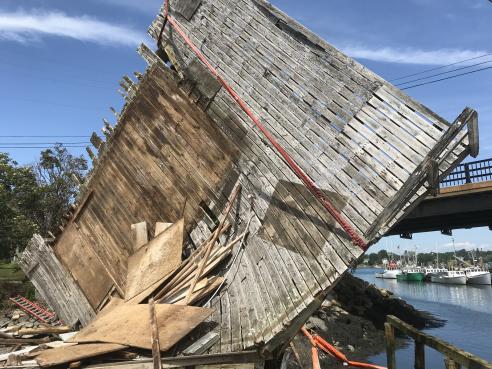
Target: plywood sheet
point(70, 354)
point(95, 280)
point(155, 260)
point(130, 325)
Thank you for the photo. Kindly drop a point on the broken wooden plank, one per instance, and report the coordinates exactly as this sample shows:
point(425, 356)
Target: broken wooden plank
point(155, 260)
point(202, 344)
point(23, 341)
point(71, 354)
point(156, 347)
point(25, 350)
point(161, 227)
point(211, 244)
point(174, 322)
point(140, 235)
point(43, 330)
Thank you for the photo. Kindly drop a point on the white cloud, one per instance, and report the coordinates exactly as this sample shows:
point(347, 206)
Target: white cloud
point(467, 245)
point(22, 26)
point(144, 6)
point(411, 55)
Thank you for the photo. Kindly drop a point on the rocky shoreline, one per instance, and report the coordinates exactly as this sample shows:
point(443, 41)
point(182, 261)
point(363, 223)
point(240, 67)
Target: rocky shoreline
point(352, 319)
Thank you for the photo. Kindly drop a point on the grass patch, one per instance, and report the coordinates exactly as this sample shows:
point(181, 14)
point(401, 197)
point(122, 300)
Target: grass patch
point(11, 272)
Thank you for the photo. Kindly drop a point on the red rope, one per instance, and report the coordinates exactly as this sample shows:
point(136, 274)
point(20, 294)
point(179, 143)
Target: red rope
point(308, 182)
point(319, 343)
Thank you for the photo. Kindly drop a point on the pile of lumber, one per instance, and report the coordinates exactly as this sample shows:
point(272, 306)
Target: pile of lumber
point(156, 310)
point(191, 284)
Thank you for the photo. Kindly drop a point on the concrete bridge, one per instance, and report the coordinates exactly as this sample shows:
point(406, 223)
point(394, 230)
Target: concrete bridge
point(464, 201)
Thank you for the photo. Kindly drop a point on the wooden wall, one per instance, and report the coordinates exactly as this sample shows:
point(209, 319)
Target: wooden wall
point(164, 158)
point(363, 141)
point(182, 143)
point(54, 283)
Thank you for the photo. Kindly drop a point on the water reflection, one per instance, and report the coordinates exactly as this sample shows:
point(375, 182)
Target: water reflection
point(475, 297)
point(465, 308)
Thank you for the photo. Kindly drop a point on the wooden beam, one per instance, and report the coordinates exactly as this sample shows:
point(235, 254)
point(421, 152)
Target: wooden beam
point(419, 355)
point(454, 353)
point(389, 332)
point(184, 361)
point(43, 330)
point(202, 344)
point(473, 135)
point(156, 347)
point(23, 341)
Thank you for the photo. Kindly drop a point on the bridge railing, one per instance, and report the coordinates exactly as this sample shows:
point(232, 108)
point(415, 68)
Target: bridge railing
point(472, 172)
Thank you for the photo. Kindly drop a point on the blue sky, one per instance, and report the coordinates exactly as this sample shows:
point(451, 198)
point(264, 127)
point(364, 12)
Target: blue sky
point(61, 61)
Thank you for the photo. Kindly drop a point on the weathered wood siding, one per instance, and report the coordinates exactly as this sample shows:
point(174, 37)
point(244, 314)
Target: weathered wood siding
point(164, 158)
point(54, 283)
point(182, 144)
point(362, 140)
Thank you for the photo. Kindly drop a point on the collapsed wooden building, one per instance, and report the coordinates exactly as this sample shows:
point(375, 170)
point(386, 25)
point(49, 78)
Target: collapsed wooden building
point(182, 145)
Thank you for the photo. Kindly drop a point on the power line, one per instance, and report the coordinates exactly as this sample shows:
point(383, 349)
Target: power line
point(437, 68)
point(44, 143)
point(33, 147)
point(446, 78)
point(442, 73)
point(50, 103)
point(46, 136)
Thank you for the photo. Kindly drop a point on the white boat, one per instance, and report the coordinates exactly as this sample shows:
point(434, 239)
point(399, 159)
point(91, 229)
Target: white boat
point(429, 272)
point(450, 277)
point(390, 272)
point(476, 275)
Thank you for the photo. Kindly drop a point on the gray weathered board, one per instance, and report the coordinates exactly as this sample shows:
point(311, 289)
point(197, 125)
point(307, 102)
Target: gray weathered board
point(178, 149)
point(54, 284)
point(361, 139)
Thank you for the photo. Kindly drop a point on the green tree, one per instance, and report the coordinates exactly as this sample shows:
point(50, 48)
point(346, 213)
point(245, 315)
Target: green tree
point(57, 173)
point(34, 198)
point(19, 197)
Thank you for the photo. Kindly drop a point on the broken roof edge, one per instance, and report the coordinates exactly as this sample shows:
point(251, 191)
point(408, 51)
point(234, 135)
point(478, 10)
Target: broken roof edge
point(421, 173)
point(85, 193)
point(322, 45)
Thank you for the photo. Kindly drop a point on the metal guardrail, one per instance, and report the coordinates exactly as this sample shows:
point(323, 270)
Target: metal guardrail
point(472, 172)
point(455, 358)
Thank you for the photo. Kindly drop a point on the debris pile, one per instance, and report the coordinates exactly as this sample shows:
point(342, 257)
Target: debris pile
point(155, 273)
point(12, 319)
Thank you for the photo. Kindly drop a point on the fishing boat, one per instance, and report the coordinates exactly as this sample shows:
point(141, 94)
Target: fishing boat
point(411, 272)
point(390, 272)
point(433, 271)
point(476, 275)
point(411, 275)
point(450, 277)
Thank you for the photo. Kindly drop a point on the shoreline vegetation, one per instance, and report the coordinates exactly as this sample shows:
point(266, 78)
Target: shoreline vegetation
point(376, 260)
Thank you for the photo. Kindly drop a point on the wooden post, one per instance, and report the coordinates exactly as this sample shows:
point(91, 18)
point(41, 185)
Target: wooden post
point(390, 345)
point(156, 349)
point(419, 354)
point(450, 364)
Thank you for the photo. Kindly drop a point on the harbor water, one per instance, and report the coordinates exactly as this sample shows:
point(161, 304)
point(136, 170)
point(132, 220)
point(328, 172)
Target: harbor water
point(466, 309)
